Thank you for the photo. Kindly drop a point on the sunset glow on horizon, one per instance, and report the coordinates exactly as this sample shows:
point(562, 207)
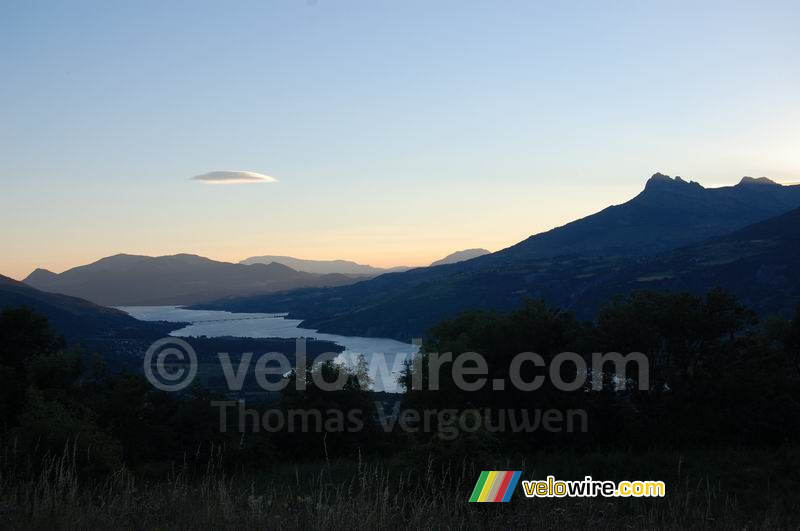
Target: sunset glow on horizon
point(388, 134)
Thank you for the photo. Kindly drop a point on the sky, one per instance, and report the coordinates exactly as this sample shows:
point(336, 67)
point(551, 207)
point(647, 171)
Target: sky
point(391, 132)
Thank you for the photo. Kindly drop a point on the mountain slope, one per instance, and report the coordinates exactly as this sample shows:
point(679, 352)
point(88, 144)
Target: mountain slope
point(73, 317)
point(343, 267)
point(760, 264)
point(132, 280)
point(667, 214)
point(460, 256)
point(570, 266)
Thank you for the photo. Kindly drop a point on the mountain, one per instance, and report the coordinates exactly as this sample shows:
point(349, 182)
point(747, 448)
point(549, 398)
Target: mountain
point(460, 256)
point(668, 213)
point(571, 266)
point(73, 317)
point(346, 267)
point(760, 264)
point(342, 267)
point(131, 280)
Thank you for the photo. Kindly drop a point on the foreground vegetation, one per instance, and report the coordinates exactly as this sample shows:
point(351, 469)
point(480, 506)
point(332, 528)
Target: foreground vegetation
point(719, 422)
point(732, 489)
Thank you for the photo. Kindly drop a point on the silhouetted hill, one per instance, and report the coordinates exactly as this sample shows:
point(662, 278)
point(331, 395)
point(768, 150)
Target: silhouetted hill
point(344, 267)
point(74, 317)
point(130, 280)
point(577, 266)
point(460, 256)
point(41, 276)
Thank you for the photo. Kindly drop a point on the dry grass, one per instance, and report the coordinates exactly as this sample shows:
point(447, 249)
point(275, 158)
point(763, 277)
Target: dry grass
point(353, 495)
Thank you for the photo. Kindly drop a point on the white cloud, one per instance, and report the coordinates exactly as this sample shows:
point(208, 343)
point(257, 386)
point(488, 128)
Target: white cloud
point(234, 177)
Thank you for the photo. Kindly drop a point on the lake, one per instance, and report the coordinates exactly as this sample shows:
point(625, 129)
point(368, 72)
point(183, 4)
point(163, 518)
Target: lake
point(384, 357)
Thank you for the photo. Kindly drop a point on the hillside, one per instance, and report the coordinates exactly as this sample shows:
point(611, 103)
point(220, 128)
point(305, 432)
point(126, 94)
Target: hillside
point(760, 264)
point(460, 256)
point(74, 317)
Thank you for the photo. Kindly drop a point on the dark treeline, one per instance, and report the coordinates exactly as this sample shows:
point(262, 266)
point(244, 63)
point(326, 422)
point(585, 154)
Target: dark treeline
point(718, 377)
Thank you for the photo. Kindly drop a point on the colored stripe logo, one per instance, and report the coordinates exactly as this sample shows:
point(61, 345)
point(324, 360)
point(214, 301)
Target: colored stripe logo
point(495, 486)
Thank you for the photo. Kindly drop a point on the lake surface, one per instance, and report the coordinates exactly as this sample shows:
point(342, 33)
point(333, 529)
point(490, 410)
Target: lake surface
point(384, 357)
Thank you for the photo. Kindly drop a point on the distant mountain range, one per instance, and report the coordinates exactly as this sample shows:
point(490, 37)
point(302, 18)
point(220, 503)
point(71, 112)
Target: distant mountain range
point(132, 280)
point(73, 317)
point(342, 267)
point(460, 256)
point(346, 267)
point(135, 280)
point(671, 236)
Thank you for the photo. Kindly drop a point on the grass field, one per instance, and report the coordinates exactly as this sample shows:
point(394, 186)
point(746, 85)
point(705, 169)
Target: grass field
point(730, 489)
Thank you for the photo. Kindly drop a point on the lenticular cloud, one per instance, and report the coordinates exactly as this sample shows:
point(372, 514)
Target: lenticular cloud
point(233, 177)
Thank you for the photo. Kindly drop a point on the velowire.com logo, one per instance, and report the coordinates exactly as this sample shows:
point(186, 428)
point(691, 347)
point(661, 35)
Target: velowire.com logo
point(495, 486)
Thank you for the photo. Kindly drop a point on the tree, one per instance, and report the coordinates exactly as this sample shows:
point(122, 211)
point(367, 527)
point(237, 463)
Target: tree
point(23, 336)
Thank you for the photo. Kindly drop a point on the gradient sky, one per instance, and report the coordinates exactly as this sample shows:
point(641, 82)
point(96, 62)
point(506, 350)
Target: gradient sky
point(398, 131)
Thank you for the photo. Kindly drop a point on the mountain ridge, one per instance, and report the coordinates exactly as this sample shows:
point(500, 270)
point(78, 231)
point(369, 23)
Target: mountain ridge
point(677, 212)
point(345, 267)
point(138, 280)
point(348, 267)
point(460, 256)
point(561, 264)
